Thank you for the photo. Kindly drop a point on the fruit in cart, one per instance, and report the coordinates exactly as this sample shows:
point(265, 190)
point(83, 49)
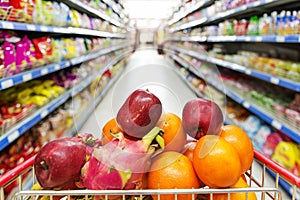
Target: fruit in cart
point(189, 149)
point(216, 162)
point(110, 127)
point(241, 183)
point(121, 163)
point(172, 170)
point(241, 142)
point(174, 136)
point(59, 162)
point(200, 117)
point(139, 113)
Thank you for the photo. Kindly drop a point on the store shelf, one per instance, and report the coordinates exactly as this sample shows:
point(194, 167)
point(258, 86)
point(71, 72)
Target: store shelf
point(19, 26)
point(276, 80)
point(266, 38)
point(190, 10)
point(252, 107)
point(87, 9)
point(91, 107)
point(42, 71)
point(251, 7)
point(21, 127)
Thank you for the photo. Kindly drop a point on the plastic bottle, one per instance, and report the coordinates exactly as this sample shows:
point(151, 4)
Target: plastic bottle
point(273, 25)
point(264, 25)
point(253, 26)
point(280, 23)
point(287, 23)
point(295, 23)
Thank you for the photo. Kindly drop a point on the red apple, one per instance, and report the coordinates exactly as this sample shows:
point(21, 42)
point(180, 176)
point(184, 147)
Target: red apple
point(139, 113)
point(59, 162)
point(200, 117)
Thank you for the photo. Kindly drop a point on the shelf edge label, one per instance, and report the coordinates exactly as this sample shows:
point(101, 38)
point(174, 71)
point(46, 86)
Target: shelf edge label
point(13, 136)
point(6, 84)
point(27, 77)
point(276, 124)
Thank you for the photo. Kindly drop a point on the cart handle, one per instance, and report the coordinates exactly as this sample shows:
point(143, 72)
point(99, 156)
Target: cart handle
point(12, 174)
point(286, 174)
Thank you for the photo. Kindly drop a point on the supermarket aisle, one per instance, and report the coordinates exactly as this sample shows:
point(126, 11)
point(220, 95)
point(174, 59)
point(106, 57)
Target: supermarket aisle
point(145, 69)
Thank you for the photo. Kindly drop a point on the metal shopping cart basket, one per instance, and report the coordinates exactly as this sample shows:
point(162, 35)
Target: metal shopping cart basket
point(256, 177)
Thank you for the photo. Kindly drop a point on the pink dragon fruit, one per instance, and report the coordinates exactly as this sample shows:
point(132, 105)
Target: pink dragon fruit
point(121, 163)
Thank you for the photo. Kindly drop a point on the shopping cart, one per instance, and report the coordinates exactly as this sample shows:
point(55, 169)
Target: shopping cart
point(256, 178)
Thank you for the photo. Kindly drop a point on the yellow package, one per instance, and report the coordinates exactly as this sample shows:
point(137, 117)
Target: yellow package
point(287, 154)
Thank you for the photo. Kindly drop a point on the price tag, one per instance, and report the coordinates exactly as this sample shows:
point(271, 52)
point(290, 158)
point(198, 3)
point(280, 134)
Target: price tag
point(7, 25)
point(57, 67)
point(6, 84)
point(27, 77)
point(268, 1)
point(13, 136)
point(276, 124)
point(247, 39)
point(248, 71)
point(274, 80)
point(258, 38)
point(44, 71)
point(246, 104)
point(257, 3)
point(280, 39)
point(44, 28)
point(31, 27)
point(44, 113)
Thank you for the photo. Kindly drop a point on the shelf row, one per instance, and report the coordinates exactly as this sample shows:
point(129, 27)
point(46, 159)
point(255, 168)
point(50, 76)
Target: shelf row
point(21, 127)
point(19, 26)
point(87, 9)
point(254, 6)
point(265, 38)
point(276, 80)
point(252, 107)
point(42, 71)
point(284, 184)
point(191, 9)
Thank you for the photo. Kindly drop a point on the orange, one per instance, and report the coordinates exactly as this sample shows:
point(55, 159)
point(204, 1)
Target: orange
point(171, 170)
point(241, 142)
point(216, 162)
point(241, 183)
point(111, 126)
point(174, 136)
point(189, 149)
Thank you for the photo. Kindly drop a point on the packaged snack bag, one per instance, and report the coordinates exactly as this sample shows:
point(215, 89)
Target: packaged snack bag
point(260, 137)
point(22, 10)
point(38, 15)
point(56, 14)
point(43, 49)
point(64, 14)
point(21, 63)
point(47, 12)
point(287, 154)
point(9, 58)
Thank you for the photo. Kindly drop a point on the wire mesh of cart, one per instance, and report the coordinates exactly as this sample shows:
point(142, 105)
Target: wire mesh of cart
point(23, 177)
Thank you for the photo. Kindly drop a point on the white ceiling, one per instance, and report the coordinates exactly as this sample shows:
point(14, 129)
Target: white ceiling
point(149, 13)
